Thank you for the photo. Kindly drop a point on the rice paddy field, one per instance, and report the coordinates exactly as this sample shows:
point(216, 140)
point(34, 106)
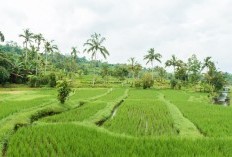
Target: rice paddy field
point(113, 122)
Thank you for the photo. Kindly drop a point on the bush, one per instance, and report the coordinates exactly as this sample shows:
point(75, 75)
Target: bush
point(36, 81)
point(52, 81)
point(173, 83)
point(147, 81)
point(138, 83)
point(33, 81)
point(176, 84)
point(44, 79)
point(63, 91)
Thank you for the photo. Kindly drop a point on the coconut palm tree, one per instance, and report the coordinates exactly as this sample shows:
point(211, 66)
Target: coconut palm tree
point(2, 38)
point(74, 53)
point(27, 40)
point(208, 63)
point(211, 68)
point(49, 47)
point(74, 58)
point(94, 46)
point(151, 57)
point(172, 62)
point(38, 40)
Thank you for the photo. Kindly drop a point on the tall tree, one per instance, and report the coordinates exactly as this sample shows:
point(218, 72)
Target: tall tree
point(94, 46)
point(181, 71)
point(208, 63)
point(161, 73)
point(132, 63)
point(38, 40)
point(138, 68)
point(151, 57)
point(194, 69)
point(172, 62)
point(27, 40)
point(74, 53)
point(49, 47)
point(211, 69)
point(2, 38)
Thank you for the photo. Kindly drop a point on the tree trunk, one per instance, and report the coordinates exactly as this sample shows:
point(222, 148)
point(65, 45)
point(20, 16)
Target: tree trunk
point(94, 72)
point(152, 70)
point(174, 72)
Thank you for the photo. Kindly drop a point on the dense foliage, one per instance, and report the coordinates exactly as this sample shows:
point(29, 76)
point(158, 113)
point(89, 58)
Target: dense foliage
point(63, 91)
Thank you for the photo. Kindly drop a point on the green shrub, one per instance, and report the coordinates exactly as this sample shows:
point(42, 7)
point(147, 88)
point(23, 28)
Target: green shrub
point(52, 81)
point(63, 91)
point(173, 83)
point(44, 79)
point(176, 84)
point(33, 81)
point(138, 83)
point(147, 81)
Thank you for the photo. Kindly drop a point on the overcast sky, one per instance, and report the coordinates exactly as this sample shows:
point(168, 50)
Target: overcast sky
point(131, 27)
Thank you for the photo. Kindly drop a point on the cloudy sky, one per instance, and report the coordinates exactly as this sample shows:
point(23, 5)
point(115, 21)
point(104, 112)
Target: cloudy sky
point(131, 27)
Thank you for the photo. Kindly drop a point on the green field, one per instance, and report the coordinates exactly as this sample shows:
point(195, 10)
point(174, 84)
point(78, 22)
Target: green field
point(142, 116)
point(113, 122)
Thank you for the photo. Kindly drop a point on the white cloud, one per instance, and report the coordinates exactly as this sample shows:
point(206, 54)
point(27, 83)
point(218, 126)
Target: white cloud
point(131, 27)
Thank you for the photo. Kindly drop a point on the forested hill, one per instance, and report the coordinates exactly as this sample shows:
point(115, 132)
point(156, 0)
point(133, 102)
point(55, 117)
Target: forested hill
point(15, 70)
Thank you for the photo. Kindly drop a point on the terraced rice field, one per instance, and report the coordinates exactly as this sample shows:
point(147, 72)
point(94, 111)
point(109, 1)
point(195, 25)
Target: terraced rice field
point(142, 116)
point(116, 122)
point(80, 140)
point(87, 110)
point(212, 120)
point(19, 105)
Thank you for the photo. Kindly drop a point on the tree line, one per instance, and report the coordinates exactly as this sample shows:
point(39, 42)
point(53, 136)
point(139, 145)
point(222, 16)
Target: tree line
point(39, 61)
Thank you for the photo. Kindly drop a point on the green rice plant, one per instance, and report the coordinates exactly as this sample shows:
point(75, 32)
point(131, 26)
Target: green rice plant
point(142, 118)
point(115, 94)
point(143, 94)
point(87, 110)
point(103, 115)
point(211, 120)
point(87, 93)
point(19, 104)
point(81, 140)
point(77, 114)
point(23, 118)
point(24, 100)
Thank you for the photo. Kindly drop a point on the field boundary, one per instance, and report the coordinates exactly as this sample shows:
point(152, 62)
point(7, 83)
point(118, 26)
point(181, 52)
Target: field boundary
point(184, 126)
point(103, 115)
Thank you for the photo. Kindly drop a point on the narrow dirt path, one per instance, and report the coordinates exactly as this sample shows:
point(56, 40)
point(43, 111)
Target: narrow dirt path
point(183, 125)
